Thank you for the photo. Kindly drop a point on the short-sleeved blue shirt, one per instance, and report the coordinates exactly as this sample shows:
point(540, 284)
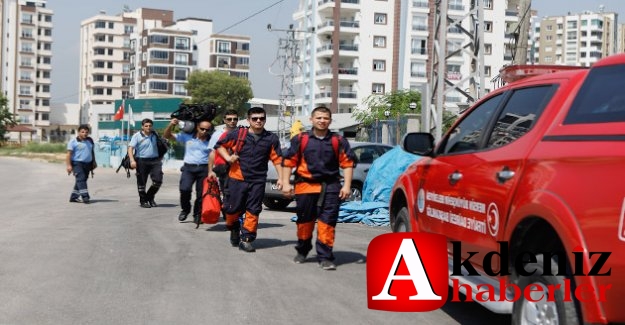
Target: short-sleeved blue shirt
point(81, 150)
point(195, 150)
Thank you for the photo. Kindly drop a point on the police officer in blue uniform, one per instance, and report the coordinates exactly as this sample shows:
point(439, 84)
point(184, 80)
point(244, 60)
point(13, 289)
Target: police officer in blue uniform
point(197, 147)
point(80, 161)
point(146, 162)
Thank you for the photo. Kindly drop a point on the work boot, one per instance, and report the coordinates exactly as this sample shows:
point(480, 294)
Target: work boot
point(153, 203)
point(235, 238)
point(327, 265)
point(183, 216)
point(246, 246)
point(299, 258)
point(145, 204)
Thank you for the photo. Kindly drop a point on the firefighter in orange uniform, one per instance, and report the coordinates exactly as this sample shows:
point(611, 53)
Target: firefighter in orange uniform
point(317, 156)
point(250, 151)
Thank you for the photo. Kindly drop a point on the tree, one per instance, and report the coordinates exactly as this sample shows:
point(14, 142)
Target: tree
point(7, 119)
point(220, 88)
point(397, 103)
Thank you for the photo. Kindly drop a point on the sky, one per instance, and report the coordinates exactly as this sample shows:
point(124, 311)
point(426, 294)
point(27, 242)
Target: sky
point(237, 17)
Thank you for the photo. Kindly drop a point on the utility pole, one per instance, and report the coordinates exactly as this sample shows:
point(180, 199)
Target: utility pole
point(471, 86)
point(521, 33)
point(288, 52)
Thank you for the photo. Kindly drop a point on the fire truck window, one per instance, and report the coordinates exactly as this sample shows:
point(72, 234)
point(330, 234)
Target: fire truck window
point(520, 114)
point(601, 98)
point(467, 134)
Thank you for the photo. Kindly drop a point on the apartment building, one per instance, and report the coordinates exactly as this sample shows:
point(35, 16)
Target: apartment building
point(578, 39)
point(385, 45)
point(26, 60)
point(347, 53)
point(145, 54)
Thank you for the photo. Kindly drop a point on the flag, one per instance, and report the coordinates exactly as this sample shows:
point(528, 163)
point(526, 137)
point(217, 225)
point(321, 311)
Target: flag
point(131, 118)
point(120, 113)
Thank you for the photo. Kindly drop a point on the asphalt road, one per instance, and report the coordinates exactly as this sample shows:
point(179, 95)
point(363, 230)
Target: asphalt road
point(112, 262)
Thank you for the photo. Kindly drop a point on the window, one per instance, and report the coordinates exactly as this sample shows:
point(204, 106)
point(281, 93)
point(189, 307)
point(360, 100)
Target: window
point(417, 69)
point(488, 4)
point(488, 26)
point(128, 29)
point(98, 51)
point(419, 23)
point(467, 134)
point(518, 116)
point(223, 47)
point(159, 55)
point(379, 41)
point(159, 39)
point(379, 18)
point(157, 69)
point(223, 62)
point(181, 59)
point(24, 103)
point(100, 24)
point(27, 47)
point(27, 18)
point(158, 86)
point(180, 90)
point(98, 77)
point(26, 62)
point(379, 65)
point(488, 48)
point(377, 88)
point(27, 33)
point(601, 98)
point(25, 75)
point(111, 25)
point(180, 74)
point(549, 27)
point(98, 64)
point(418, 46)
point(109, 78)
point(487, 70)
point(182, 43)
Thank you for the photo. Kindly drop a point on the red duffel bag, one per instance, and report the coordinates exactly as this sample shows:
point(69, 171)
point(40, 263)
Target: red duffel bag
point(211, 201)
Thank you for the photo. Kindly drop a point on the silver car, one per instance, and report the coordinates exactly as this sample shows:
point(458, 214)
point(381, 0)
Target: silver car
point(366, 152)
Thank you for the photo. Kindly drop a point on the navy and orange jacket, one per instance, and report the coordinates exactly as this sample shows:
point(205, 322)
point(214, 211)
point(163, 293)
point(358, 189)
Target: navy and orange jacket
point(318, 162)
point(253, 156)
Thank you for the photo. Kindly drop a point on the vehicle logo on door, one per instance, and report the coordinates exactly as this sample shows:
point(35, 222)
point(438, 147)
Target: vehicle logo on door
point(492, 219)
point(421, 200)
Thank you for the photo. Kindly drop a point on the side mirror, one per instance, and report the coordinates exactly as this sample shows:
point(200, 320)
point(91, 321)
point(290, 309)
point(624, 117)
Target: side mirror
point(419, 143)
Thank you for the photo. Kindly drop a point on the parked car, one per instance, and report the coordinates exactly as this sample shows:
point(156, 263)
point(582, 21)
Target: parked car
point(366, 152)
point(531, 173)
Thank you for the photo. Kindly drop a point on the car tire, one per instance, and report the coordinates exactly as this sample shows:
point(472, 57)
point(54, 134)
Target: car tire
point(356, 192)
point(543, 311)
point(402, 221)
point(276, 204)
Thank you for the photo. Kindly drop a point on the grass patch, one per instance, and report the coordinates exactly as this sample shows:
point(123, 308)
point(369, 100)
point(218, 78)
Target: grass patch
point(52, 152)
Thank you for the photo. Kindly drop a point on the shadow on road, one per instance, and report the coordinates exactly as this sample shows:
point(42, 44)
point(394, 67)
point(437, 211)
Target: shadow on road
point(348, 258)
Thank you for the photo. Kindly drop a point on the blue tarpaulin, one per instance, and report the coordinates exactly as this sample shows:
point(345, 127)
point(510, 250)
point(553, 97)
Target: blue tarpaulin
point(376, 192)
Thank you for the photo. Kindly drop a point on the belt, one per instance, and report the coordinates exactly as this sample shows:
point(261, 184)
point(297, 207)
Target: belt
point(196, 165)
point(148, 159)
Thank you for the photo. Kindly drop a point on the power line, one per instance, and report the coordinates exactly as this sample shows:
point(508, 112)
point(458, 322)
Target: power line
point(243, 20)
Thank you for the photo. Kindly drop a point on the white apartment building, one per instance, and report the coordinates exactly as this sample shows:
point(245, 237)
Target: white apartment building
point(105, 53)
point(146, 54)
point(26, 39)
point(388, 45)
point(360, 64)
point(579, 39)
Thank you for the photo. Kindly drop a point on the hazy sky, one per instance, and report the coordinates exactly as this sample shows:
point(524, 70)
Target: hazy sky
point(224, 13)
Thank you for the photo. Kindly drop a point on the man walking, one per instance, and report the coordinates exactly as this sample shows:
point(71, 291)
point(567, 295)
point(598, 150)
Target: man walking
point(196, 151)
point(247, 152)
point(80, 160)
point(146, 162)
point(220, 166)
point(317, 156)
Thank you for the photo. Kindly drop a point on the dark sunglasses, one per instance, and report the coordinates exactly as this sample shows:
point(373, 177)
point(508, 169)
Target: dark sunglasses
point(257, 118)
point(204, 129)
point(231, 119)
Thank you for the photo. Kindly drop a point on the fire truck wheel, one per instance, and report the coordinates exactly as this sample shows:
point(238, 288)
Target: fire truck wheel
point(527, 312)
point(402, 221)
